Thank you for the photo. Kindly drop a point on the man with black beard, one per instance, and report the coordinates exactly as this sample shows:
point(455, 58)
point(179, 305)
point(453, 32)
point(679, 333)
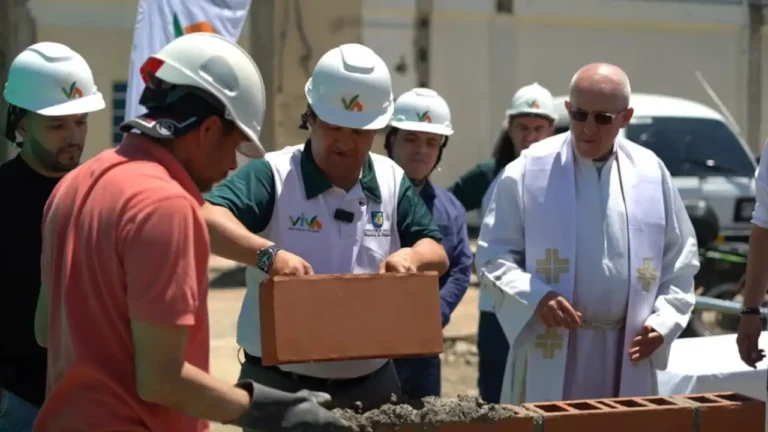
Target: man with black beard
point(50, 91)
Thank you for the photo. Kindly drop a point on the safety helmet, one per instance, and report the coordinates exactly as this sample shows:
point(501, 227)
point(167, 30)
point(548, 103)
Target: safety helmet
point(220, 68)
point(351, 87)
point(422, 110)
point(532, 100)
point(49, 79)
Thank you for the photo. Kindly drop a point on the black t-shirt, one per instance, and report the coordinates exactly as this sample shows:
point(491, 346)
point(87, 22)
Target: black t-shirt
point(23, 193)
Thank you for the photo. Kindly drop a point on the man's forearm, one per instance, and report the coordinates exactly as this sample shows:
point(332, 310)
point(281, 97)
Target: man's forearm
point(230, 239)
point(430, 256)
point(757, 271)
point(202, 396)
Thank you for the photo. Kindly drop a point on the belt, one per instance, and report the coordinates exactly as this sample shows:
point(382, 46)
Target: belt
point(308, 380)
point(602, 325)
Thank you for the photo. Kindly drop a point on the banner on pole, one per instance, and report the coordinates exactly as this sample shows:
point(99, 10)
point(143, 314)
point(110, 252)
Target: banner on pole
point(158, 22)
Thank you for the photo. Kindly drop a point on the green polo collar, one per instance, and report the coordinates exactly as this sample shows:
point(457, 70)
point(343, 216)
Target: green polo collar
point(315, 182)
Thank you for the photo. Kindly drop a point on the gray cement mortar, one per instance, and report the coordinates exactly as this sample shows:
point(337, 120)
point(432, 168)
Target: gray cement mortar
point(423, 415)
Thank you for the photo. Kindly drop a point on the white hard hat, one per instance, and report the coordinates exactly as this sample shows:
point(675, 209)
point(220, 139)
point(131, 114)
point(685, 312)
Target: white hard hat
point(422, 110)
point(221, 69)
point(51, 79)
point(351, 87)
point(532, 100)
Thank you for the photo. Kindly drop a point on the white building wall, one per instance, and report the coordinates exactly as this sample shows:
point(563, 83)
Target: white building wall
point(479, 57)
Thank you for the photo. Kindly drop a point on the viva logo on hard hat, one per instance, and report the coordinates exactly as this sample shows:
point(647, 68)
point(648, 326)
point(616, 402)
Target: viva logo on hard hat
point(352, 104)
point(425, 117)
point(534, 105)
point(198, 27)
point(73, 92)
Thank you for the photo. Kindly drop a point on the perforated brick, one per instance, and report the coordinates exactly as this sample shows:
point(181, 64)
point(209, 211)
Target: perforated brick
point(344, 317)
point(719, 412)
point(624, 414)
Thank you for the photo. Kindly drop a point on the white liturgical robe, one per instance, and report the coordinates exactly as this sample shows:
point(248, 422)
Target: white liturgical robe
point(615, 240)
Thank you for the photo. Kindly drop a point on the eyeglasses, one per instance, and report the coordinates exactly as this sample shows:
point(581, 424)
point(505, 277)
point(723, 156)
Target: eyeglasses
point(580, 115)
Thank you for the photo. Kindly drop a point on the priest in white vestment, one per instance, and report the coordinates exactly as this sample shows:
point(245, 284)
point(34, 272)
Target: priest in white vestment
point(589, 255)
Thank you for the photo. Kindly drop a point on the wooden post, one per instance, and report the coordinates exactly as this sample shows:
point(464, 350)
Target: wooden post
point(421, 43)
point(17, 31)
point(287, 37)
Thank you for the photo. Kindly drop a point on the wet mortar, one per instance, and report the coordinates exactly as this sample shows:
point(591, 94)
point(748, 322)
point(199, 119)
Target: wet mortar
point(423, 415)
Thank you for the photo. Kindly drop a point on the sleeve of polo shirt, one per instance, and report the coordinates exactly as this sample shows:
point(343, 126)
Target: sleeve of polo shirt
point(249, 194)
point(471, 186)
point(161, 250)
point(414, 221)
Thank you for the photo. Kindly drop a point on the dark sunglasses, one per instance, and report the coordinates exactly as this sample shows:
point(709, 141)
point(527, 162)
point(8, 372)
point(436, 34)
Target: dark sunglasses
point(580, 115)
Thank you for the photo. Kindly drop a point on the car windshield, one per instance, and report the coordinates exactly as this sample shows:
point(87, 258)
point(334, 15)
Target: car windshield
point(693, 146)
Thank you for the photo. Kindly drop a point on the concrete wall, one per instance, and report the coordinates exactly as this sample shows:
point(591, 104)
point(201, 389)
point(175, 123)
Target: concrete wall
point(478, 58)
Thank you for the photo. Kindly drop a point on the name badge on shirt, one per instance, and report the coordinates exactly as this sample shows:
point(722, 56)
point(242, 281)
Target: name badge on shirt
point(377, 226)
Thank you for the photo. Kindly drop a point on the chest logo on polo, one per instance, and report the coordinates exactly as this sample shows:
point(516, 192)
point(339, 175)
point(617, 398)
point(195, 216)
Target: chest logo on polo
point(303, 223)
point(378, 226)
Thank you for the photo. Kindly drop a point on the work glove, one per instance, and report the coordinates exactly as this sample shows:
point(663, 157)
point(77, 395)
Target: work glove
point(276, 410)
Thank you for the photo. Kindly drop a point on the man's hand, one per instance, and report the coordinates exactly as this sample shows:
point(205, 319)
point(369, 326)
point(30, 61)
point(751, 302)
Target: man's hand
point(555, 311)
point(288, 264)
point(750, 328)
point(275, 410)
point(399, 262)
point(645, 344)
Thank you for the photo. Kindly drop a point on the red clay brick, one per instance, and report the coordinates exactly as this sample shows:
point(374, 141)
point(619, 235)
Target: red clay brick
point(624, 414)
point(727, 411)
point(339, 317)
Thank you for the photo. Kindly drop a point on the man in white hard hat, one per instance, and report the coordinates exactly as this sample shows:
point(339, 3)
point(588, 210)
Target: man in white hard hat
point(327, 206)
point(418, 134)
point(50, 91)
point(123, 308)
point(530, 118)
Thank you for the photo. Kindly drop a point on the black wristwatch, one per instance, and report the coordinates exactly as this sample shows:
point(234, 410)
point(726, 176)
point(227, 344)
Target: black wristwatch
point(265, 258)
point(750, 311)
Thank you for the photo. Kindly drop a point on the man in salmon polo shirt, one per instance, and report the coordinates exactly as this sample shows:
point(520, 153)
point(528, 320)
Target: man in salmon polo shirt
point(123, 306)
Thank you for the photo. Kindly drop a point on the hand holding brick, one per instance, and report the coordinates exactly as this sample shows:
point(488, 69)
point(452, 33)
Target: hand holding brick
point(344, 317)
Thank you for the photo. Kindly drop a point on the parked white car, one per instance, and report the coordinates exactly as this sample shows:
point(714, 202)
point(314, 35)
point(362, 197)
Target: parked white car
point(708, 160)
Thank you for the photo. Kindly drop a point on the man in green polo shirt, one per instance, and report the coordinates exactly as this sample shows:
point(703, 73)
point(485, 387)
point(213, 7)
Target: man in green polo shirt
point(328, 206)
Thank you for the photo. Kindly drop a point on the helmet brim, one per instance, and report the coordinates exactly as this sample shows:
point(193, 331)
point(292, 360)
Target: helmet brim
point(83, 105)
point(531, 112)
point(353, 120)
point(423, 127)
point(251, 150)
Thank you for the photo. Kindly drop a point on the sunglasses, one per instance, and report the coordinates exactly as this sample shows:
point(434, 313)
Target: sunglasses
point(580, 115)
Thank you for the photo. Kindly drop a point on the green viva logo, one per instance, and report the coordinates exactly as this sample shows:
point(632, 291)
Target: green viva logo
point(305, 222)
point(352, 104)
point(73, 92)
point(425, 117)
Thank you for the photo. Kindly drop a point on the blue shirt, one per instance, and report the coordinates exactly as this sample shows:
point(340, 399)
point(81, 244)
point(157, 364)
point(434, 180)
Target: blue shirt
point(451, 220)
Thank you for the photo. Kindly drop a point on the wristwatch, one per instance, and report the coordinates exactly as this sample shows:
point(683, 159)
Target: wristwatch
point(265, 258)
